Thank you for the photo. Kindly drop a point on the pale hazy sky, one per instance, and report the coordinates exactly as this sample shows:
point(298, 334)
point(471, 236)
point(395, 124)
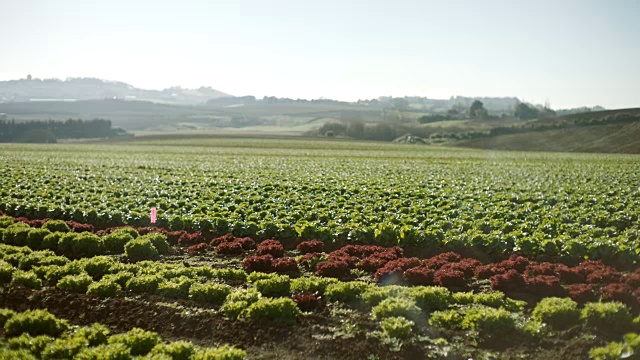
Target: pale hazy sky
point(570, 52)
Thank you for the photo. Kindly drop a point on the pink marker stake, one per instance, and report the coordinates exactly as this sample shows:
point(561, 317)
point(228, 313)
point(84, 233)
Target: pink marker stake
point(153, 215)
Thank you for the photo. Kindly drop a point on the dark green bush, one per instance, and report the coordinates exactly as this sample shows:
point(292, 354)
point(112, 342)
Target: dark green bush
point(5, 221)
point(34, 323)
point(143, 284)
point(446, 319)
point(177, 288)
point(179, 350)
point(104, 288)
point(34, 344)
point(55, 274)
point(397, 327)
point(26, 278)
point(16, 234)
point(50, 242)
point(209, 293)
point(139, 341)
point(281, 309)
point(558, 313)
point(96, 334)
point(274, 287)
point(41, 258)
point(56, 226)
point(345, 291)
point(221, 353)
point(16, 354)
point(159, 241)
point(76, 283)
point(141, 249)
point(64, 348)
point(99, 266)
point(396, 307)
point(65, 243)
point(87, 244)
point(487, 321)
point(609, 317)
point(6, 314)
point(6, 271)
point(35, 238)
point(114, 243)
point(119, 278)
point(105, 352)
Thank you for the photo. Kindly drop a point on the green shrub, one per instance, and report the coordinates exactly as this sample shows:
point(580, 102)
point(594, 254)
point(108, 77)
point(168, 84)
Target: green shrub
point(16, 354)
point(463, 298)
point(114, 243)
point(129, 231)
point(487, 321)
point(35, 238)
point(175, 272)
point(397, 327)
point(230, 275)
point(41, 258)
point(16, 234)
point(609, 317)
point(221, 353)
point(105, 352)
point(5, 221)
point(493, 299)
point(34, 323)
point(26, 278)
point(430, 298)
point(373, 295)
point(139, 341)
point(104, 288)
point(50, 242)
point(446, 319)
point(64, 348)
point(66, 242)
point(76, 283)
point(391, 307)
point(256, 275)
point(209, 293)
point(239, 300)
point(558, 313)
point(179, 350)
point(96, 334)
point(143, 284)
point(611, 351)
point(311, 284)
point(99, 266)
point(175, 288)
point(34, 344)
point(281, 309)
point(345, 291)
point(159, 241)
point(14, 259)
point(141, 249)
point(274, 287)
point(6, 271)
point(56, 226)
point(87, 244)
point(119, 278)
point(6, 314)
point(54, 275)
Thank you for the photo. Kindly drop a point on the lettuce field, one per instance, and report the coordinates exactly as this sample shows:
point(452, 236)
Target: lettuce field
point(294, 248)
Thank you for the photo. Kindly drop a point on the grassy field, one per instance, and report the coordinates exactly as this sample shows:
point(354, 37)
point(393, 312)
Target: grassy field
point(315, 248)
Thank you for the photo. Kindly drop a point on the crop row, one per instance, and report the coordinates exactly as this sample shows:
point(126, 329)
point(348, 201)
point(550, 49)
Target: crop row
point(37, 334)
point(569, 207)
point(587, 281)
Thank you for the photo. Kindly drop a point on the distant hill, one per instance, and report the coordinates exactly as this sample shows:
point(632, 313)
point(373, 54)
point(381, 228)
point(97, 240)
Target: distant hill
point(611, 131)
point(77, 89)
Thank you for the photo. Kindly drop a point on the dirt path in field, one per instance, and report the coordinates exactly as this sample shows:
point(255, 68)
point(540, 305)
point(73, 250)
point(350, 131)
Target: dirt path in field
point(179, 321)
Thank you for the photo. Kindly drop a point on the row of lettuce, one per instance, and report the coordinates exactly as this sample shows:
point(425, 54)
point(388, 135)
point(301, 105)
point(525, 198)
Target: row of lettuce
point(38, 334)
point(588, 280)
point(401, 311)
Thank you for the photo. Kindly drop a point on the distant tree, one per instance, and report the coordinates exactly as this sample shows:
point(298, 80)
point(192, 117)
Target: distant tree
point(526, 112)
point(355, 129)
point(400, 103)
point(477, 110)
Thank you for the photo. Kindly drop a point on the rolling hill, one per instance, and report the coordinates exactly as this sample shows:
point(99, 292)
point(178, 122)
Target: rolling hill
point(612, 131)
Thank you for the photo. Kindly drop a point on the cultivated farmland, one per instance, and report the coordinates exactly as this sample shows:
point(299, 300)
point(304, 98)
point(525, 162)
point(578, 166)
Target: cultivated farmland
point(316, 249)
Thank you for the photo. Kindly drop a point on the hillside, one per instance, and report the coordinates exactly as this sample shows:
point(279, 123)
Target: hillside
point(613, 131)
point(97, 89)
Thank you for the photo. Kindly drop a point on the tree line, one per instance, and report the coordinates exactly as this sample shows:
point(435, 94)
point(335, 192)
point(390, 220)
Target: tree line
point(50, 131)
